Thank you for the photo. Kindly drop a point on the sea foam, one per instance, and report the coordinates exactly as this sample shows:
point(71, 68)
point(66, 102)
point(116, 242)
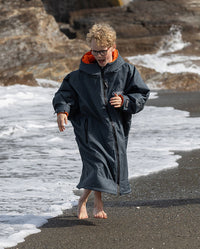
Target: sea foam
point(164, 60)
point(40, 167)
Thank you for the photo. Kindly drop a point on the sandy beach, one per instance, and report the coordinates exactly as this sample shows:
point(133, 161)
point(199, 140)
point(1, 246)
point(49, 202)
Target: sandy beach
point(162, 211)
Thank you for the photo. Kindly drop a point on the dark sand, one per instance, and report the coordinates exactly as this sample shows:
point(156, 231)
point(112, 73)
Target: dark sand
point(163, 210)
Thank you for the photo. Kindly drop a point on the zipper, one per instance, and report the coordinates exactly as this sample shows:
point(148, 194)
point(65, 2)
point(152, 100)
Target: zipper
point(105, 87)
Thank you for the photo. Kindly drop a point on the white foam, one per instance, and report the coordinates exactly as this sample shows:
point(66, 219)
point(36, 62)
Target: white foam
point(163, 61)
point(167, 63)
point(153, 95)
point(156, 133)
point(16, 237)
point(40, 166)
point(174, 42)
point(48, 83)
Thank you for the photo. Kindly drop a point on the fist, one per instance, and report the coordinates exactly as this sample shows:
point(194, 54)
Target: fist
point(61, 120)
point(116, 101)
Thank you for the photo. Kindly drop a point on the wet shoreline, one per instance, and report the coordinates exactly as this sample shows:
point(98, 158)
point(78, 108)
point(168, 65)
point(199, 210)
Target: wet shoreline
point(162, 211)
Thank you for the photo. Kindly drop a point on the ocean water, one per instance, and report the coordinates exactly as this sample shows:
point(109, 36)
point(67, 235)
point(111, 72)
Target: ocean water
point(165, 61)
point(40, 167)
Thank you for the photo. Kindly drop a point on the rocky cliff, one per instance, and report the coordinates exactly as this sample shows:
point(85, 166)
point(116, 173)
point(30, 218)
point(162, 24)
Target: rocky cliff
point(32, 46)
point(141, 24)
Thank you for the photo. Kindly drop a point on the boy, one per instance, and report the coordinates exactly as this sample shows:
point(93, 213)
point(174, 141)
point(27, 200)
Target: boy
point(99, 100)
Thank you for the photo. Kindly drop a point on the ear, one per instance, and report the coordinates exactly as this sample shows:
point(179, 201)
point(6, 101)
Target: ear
point(114, 47)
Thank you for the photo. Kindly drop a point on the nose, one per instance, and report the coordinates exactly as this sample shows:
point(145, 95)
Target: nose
point(99, 55)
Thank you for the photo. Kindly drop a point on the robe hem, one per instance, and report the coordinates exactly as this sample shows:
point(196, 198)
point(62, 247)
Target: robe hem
point(99, 190)
point(106, 191)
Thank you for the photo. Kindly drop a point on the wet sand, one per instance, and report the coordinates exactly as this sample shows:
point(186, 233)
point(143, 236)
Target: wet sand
point(162, 211)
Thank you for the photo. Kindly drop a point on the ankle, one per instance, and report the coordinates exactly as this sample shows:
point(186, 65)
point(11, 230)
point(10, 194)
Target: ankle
point(82, 201)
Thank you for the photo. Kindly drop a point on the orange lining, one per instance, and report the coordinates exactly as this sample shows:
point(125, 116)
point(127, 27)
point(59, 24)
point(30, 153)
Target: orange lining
point(115, 55)
point(63, 113)
point(89, 58)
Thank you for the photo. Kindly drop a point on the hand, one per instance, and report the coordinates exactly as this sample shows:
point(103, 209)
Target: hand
point(116, 101)
point(62, 120)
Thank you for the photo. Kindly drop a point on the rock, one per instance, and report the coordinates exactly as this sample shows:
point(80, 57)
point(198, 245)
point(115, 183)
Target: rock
point(32, 46)
point(143, 23)
point(178, 82)
point(55, 69)
point(30, 39)
point(182, 82)
point(141, 28)
point(148, 74)
point(25, 79)
point(60, 9)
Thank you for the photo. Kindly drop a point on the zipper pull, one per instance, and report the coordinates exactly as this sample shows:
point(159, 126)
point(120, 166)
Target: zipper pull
point(105, 84)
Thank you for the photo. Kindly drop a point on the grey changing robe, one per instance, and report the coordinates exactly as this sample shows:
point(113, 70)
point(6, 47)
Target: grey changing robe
point(101, 130)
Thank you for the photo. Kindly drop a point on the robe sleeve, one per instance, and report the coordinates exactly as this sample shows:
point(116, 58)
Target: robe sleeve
point(136, 92)
point(65, 99)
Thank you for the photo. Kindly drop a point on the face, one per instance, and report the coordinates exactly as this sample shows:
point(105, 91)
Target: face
point(102, 58)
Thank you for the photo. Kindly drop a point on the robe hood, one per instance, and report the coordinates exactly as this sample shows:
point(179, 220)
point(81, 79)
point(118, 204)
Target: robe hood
point(90, 66)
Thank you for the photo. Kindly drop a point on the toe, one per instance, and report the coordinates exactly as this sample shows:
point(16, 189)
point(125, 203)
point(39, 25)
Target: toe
point(100, 215)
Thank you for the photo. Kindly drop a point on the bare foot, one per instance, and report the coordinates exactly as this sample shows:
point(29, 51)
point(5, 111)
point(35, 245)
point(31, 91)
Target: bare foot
point(82, 210)
point(98, 211)
point(100, 214)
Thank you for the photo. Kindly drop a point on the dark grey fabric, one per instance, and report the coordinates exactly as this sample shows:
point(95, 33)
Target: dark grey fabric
point(102, 130)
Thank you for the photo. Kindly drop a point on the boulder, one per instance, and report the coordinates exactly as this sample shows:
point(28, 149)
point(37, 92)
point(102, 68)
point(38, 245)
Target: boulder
point(178, 82)
point(181, 82)
point(30, 42)
point(60, 9)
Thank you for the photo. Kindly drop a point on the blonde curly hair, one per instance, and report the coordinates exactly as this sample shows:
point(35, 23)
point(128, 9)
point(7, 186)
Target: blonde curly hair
point(104, 35)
